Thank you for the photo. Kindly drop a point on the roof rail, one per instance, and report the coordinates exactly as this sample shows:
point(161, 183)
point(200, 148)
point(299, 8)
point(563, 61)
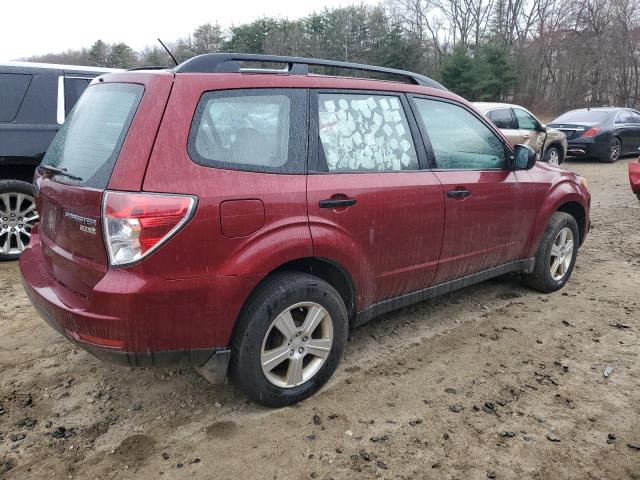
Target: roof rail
point(231, 63)
point(148, 67)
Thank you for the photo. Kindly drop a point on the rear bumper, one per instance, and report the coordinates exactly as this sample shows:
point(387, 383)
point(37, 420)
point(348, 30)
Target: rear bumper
point(133, 317)
point(586, 149)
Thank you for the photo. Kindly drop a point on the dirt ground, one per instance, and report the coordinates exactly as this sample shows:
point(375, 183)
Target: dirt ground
point(493, 381)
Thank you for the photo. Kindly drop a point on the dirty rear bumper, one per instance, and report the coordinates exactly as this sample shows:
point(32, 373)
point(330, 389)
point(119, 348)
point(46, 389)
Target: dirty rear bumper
point(205, 358)
point(136, 318)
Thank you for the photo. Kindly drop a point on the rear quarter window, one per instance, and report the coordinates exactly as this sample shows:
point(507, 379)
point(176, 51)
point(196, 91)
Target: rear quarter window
point(13, 88)
point(263, 130)
point(88, 144)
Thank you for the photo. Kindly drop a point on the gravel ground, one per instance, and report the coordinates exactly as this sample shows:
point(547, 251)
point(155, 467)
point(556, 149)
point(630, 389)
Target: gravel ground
point(493, 381)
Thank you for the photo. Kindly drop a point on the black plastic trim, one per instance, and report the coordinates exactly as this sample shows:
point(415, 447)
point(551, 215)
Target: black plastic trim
point(401, 301)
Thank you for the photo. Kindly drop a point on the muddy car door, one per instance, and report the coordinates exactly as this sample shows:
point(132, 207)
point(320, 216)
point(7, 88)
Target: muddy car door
point(371, 206)
point(483, 228)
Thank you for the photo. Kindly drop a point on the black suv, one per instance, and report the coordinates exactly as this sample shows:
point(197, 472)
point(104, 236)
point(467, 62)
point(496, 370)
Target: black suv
point(34, 101)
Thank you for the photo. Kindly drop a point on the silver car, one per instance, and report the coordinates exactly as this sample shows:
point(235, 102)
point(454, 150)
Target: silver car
point(520, 126)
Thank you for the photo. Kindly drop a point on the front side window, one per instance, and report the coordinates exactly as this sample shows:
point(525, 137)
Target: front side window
point(459, 139)
point(361, 132)
point(256, 130)
point(525, 120)
point(502, 118)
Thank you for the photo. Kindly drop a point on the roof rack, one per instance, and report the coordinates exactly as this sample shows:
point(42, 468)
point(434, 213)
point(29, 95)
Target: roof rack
point(231, 63)
point(148, 67)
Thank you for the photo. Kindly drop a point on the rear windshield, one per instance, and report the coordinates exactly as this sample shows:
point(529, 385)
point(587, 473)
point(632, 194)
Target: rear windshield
point(578, 116)
point(89, 142)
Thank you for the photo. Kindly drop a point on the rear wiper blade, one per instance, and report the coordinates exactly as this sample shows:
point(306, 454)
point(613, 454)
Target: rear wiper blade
point(59, 171)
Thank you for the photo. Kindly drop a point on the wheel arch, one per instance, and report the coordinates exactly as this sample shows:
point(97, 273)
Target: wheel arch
point(557, 144)
point(328, 270)
point(331, 272)
point(563, 197)
point(577, 211)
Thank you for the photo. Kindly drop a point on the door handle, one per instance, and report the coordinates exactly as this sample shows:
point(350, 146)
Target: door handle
point(338, 202)
point(458, 193)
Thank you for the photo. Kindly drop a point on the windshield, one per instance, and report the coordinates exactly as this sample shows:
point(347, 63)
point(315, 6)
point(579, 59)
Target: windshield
point(89, 142)
point(580, 116)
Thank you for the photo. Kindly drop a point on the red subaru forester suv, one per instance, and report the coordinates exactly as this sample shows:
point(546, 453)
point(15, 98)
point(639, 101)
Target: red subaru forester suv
point(241, 220)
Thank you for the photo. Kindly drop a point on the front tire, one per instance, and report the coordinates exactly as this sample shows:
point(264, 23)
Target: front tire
point(18, 215)
point(614, 150)
point(556, 254)
point(289, 339)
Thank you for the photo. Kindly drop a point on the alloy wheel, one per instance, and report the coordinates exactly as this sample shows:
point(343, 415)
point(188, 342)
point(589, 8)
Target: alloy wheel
point(296, 345)
point(18, 215)
point(561, 254)
point(554, 157)
point(614, 150)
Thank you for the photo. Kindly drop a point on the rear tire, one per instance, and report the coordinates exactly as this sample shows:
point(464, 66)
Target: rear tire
point(613, 151)
point(268, 365)
point(554, 261)
point(16, 217)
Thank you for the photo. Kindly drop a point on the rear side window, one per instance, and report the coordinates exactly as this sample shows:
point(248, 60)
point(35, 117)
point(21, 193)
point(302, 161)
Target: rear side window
point(13, 88)
point(73, 88)
point(256, 130)
point(624, 117)
point(460, 141)
point(362, 132)
point(502, 118)
point(89, 142)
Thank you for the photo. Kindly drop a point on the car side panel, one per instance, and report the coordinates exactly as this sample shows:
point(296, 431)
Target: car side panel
point(201, 249)
point(546, 194)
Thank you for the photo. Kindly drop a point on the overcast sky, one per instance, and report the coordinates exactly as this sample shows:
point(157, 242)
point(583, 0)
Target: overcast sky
point(34, 27)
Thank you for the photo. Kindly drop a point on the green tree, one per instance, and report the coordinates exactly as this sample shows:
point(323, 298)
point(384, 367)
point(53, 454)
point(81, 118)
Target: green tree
point(494, 74)
point(250, 37)
point(457, 72)
point(154, 57)
point(121, 55)
point(98, 54)
point(207, 38)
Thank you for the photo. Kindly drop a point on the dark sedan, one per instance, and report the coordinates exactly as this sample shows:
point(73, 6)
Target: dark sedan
point(602, 133)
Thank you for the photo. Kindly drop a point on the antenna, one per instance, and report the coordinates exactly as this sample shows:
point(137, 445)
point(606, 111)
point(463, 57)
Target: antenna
point(169, 52)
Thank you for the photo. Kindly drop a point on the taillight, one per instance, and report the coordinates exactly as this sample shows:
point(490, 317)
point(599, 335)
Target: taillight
point(592, 132)
point(136, 224)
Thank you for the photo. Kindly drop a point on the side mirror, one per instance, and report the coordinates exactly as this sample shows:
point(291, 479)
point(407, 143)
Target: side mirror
point(524, 157)
point(542, 128)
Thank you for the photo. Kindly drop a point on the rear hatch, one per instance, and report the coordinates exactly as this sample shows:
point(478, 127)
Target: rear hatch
point(109, 132)
point(575, 122)
point(572, 131)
